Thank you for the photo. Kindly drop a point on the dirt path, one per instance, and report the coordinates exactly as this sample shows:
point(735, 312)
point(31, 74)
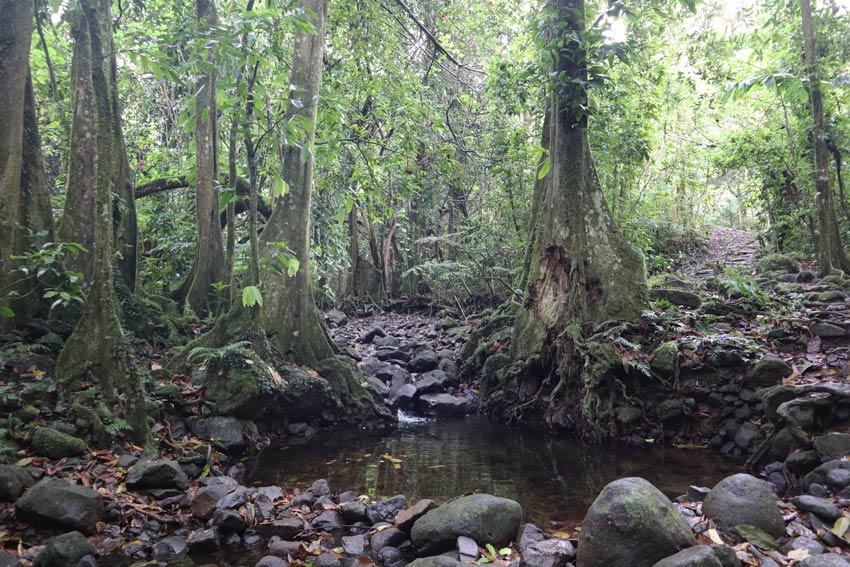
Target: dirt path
point(727, 248)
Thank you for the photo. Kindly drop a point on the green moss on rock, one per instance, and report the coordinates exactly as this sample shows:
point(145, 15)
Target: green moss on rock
point(777, 263)
point(47, 442)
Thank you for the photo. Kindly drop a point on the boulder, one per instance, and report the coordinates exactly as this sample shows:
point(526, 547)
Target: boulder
point(13, 481)
point(832, 446)
point(354, 511)
point(742, 499)
point(482, 517)
point(205, 499)
point(777, 263)
point(9, 560)
point(699, 556)
point(826, 330)
point(225, 431)
point(377, 386)
point(389, 537)
point(355, 545)
point(445, 405)
point(769, 371)
point(405, 519)
point(433, 382)
point(54, 502)
point(631, 524)
point(824, 560)
point(156, 473)
point(821, 507)
point(665, 360)
point(202, 541)
point(271, 561)
point(47, 442)
point(424, 361)
point(336, 318)
point(386, 510)
point(436, 561)
point(328, 521)
point(676, 297)
point(555, 552)
point(64, 550)
point(819, 474)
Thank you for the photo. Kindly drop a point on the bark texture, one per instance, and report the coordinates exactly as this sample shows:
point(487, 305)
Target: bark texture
point(582, 271)
point(97, 344)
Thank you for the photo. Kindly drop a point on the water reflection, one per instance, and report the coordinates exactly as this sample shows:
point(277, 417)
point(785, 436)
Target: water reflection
point(555, 479)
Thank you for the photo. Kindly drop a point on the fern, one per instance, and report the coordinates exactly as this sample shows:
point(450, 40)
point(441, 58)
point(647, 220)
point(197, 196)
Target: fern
point(206, 354)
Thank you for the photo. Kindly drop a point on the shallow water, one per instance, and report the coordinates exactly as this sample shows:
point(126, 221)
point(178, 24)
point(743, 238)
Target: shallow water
point(554, 479)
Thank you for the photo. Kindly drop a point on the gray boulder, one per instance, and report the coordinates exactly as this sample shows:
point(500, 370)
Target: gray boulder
point(825, 560)
point(818, 506)
point(53, 444)
point(742, 499)
point(436, 561)
point(769, 371)
point(555, 552)
point(225, 431)
point(832, 446)
point(156, 473)
point(482, 517)
point(9, 560)
point(819, 474)
point(64, 550)
point(56, 503)
point(424, 361)
point(631, 524)
point(386, 510)
point(445, 405)
point(699, 556)
point(205, 499)
point(13, 481)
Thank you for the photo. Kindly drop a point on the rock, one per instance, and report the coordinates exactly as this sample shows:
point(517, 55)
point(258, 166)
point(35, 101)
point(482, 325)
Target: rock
point(205, 499)
point(769, 371)
point(746, 435)
point(813, 546)
point(777, 263)
point(743, 499)
point(336, 318)
point(803, 462)
point(838, 479)
point(203, 541)
point(832, 446)
point(229, 521)
point(56, 503)
point(395, 375)
point(405, 519)
point(665, 360)
point(726, 555)
point(355, 545)
point(388, 341)
point(436, 561)
point(225, 431)
point(825, 560)
point(628, 415)
point(819, 506)
point(424, 361)
point(555, 552)
point(631, 524)
point(818, 475)
point(404, 395)
point(389, 557)
point(170, 547)
point(13, 481)
point(676, 297)
point(433, 382)
point(328, 521)
point(699, 556)
point(282, 548)
point(377, 386)
point(389, 537)
point(371, 334)
point(354, 511)
point(386, 510)
point(156, 473)
point(826, 330)
point(467, 549)
point(530, 534)
point(327, 560)
point(482, 517)
point(284, 528)
point(445, 405)
point(8, 560)
point(270, 561)
point(64, 550)
point(47, 442)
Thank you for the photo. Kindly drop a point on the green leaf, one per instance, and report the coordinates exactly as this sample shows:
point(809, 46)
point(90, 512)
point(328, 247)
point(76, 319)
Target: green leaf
point(544, 168)
point(6, 312)
point(280, 187)
point(251, 296)
point(841, 526)
point(757, 537)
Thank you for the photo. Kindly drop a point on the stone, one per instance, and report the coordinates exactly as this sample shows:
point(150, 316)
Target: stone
point(395, 375)
point(354, 511)
point(283, 548)
point(769, 371)
point(203, 541)
point(699, 556)
point(388, 341)
point(777, 263)
point(226, 432)
point(436, 561)
point(170, 548)
point(676, 297)
point(424, 361)
point(832, 446)
point(327, 560)
point(826, 330)
point(824, 560)
point(403, 396)
point(284, 528)
point(628, 415)
point(747, 433)
point(742, 499)
point(336, 318)
point(838, 479)
point(665, 360)
point(433, 382)
point(726, 555)
point(530, 534)
point(405, 519)
point(64, 550)
point(156, 473)
point(555, 552)
point(355, 544)
point(467, 549)
point(818, 475)
point(445, 405)
point(386, 510)
point(389, 557)
point(481, 517)
point(13, 481)
point(389, 537)
point(631, 524)
point(328, 521)
point(9, 560)
point(56, 503)
point(229, 521)
point(270, 561)
point(377, 386)
point(819, 506)
point(813, 546)
point(205, 499)
point(53, 444)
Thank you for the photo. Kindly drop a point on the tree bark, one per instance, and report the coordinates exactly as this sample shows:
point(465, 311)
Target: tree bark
point(208, 267)
point(831, 253)
point(583, 270)
point(97, 344)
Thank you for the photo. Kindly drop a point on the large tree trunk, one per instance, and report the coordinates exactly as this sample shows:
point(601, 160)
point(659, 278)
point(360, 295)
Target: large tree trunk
point(97, 344)
point(208, 267)
point(582, 271)
point(830, 250)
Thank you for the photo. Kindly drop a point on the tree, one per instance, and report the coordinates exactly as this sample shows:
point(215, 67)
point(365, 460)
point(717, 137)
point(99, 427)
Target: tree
point(583, 271)
point(97, 344)
point(25, 214)
point(208, 267)
point(831, 251)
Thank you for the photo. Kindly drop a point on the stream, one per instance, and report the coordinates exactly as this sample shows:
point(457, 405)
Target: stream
point(555, 479)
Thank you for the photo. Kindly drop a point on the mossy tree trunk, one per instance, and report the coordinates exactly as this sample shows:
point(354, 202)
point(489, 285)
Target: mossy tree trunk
point(582, 269)
point(831, 253)
point(97, 344)
point(208, 267)
point(25, 215)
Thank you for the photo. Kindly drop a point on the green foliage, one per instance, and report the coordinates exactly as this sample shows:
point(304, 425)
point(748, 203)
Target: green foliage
point(748, 293)
point(206, 355)
point(44, 269)
point(252, 296)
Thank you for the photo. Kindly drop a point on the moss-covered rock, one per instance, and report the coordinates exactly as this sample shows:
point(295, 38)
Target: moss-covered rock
point(631, 524)
point(665, 360)
point(777, 263)
point(56, 503)
point(742, 499)
point(47, 442)
point(64, 550)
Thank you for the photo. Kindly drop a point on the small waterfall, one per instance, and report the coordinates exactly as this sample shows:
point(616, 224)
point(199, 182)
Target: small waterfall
point(408, 418)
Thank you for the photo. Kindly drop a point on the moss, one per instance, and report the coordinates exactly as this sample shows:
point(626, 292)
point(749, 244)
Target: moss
point(47, 442)
point(665, 360)
point(777, 263)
